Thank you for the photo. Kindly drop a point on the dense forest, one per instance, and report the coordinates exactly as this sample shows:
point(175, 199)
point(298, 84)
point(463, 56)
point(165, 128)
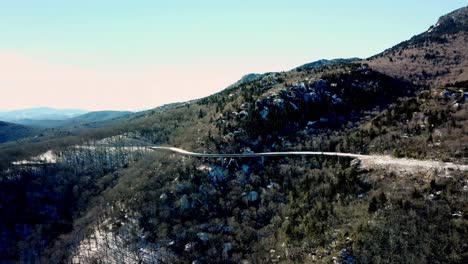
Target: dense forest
point(135, 205)
point(108, 198)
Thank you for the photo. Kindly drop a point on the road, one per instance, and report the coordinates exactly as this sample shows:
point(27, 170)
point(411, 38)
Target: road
point(260, 154)
point(367, 161)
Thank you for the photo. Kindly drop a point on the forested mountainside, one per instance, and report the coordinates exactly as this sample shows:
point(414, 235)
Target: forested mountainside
point(10, 132)
point(27, 132)
point(109, 199)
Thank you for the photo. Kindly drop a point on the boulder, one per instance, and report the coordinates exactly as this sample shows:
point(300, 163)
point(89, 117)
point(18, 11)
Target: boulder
point(283, 93)
point(246, 169)
point(243, 114)
point(356, 163)
point(227, 248)
point(189, 246)
point(252, 196)
point(247, 150)
point(294, 107)
point(264, 113)
point(278, 102)
point(311, 123)
point(336, 99)
point(184, 203)
point(203, 237)
point(301, 86)
point(447, 94)
point(273, 185)
point(319, 84)
point(163, 197)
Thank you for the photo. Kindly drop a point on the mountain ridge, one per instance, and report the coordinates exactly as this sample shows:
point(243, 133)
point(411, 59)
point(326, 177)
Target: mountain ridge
point(108, 200)
point(436, 57)
point(326, 62)
point(44, 113)
point(86, 118)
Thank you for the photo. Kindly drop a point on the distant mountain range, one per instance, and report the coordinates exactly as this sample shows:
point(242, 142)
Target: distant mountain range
point(45, 117)
point(26, 123)
point(40, 113)
point(90, 117)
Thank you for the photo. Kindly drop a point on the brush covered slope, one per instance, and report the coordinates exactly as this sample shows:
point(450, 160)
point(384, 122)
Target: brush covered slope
point(436, 57)
point(108, 199)
point(161, 207)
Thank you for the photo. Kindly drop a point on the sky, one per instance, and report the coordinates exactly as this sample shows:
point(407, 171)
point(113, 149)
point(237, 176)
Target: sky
point(139, 54)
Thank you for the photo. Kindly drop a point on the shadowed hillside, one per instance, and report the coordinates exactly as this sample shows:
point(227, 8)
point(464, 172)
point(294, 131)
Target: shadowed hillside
point(10, 132)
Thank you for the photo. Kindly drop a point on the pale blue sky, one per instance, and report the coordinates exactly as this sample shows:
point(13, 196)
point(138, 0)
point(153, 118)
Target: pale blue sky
point(207, 43)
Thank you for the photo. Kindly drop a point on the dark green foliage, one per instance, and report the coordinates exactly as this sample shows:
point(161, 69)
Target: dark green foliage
point(11, 132)
point(261, 210)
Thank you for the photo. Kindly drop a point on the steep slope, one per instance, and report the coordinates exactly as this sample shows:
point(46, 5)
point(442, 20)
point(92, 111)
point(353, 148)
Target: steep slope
point(206, 210)
point(11, 132)
point(100, 203)
point(166, 208)
point(436, 57)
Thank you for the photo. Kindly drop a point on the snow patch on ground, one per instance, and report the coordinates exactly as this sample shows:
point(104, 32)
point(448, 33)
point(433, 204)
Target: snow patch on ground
point(48, 157)
point(105, 246)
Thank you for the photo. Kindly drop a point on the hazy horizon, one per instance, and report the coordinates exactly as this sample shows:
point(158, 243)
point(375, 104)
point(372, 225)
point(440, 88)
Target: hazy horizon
point(142, 54)
point(67, 109)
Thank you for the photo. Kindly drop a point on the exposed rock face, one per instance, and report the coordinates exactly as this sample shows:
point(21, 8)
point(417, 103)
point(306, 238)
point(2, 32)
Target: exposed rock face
point(327, 102)
point(252, 196)
point(292, 100)
point(453, 22)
